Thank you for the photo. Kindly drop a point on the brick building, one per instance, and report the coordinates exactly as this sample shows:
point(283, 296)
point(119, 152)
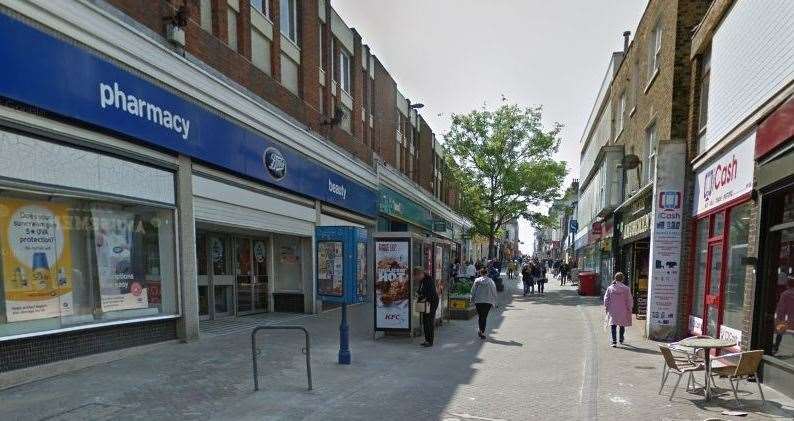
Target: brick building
point(740, 142)
point(642, 108)
point(192, 148)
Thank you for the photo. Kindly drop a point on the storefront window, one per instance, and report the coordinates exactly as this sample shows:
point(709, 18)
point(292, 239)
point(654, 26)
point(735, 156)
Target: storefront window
point(67, 262)
point(733, 312)
point(701, 251)
point(779, 282)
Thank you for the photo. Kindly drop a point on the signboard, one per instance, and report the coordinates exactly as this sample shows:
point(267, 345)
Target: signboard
point(37, 260)
point(104, 95)
point(120, 288)
point(727, 178)
point(394, 204)
point(330, 268)
point(638, 226)
point(574, 226)
point(392, 285)
point(439, 225)
point(695, 325)
point(732, 334)
point(665, 253)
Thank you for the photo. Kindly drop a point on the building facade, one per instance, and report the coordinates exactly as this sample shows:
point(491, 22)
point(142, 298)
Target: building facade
point(632, 195)
point(168, 163)
point(740, 140)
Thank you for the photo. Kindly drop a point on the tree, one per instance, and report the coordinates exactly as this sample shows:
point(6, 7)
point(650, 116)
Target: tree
point(503, 161)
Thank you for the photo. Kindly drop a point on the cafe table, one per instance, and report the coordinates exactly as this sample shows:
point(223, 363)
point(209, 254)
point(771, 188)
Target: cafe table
point(707, 344)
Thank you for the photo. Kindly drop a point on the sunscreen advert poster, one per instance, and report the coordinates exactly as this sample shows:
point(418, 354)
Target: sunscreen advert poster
point(37, 260)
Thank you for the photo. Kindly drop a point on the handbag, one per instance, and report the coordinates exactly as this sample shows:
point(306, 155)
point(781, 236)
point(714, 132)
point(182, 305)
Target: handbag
point(423, 306)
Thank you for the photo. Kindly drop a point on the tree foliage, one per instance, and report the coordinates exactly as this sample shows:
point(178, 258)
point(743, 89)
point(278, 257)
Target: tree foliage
point(503, 160)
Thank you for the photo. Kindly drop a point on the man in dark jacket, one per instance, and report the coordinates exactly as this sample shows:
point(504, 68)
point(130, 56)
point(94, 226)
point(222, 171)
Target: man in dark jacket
point(427, 292)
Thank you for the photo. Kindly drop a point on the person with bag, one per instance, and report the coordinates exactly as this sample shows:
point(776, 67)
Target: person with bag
point(427, 295)
point(542, 279)
point(618, 304)
point(483, 295)
point(526, 278)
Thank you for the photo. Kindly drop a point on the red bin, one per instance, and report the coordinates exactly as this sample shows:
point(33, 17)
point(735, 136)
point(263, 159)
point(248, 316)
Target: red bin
point(588, 283)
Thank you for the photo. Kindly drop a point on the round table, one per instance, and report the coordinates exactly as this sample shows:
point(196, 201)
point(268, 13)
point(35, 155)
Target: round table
point(707, 344)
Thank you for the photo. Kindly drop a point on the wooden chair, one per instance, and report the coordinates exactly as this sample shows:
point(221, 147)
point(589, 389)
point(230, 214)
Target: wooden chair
point(745, 369)
point(677, 367)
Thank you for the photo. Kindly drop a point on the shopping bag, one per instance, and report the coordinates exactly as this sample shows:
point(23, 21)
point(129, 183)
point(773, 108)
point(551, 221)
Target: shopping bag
point(423, 306)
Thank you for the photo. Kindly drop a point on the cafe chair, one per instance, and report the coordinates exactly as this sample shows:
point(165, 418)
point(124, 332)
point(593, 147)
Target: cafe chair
point(678, 367)
point(745, 369)
point(684, 355)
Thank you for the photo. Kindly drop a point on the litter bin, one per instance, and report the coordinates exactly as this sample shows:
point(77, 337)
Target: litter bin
point(588, 283)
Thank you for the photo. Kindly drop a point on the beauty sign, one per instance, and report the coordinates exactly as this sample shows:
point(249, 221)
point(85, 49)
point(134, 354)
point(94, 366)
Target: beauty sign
point(728, 177)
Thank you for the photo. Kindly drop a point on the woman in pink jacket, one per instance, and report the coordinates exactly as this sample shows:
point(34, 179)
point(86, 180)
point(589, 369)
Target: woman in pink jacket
point(618, 305)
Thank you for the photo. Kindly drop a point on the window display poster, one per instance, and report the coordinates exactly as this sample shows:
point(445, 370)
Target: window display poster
point(119, 287)
point(361, 270)
point(329, 268)
point(392, 286)
point(37, 260)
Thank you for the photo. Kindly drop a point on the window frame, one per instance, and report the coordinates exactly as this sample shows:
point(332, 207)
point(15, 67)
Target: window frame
point(292, 29)
point(232, 28)
point(265, 10)
point(621, 115)
point(651, 145)
point(345, 71)
point(654, 51)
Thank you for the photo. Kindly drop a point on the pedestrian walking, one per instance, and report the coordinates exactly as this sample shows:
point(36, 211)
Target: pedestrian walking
point(483, 295)
point(526, 278)
point(564, 268)
point(427, 292)
point(618, 304)
point(542, 282)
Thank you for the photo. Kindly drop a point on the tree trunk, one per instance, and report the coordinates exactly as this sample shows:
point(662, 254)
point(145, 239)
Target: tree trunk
point(491, 246)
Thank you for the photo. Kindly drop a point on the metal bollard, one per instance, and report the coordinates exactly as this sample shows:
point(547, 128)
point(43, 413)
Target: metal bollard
point(307, 351)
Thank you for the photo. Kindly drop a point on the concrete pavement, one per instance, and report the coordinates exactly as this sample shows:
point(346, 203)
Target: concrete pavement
point(546, 358)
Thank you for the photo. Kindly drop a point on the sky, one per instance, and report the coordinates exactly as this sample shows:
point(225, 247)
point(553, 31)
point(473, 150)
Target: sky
point(456, 55)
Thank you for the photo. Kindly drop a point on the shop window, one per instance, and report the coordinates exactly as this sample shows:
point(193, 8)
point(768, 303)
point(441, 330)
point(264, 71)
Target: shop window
point(67, 262)
point(719, 225)
point(778, 336)
point(289, 276)
point(738, 231)
point(701, 251)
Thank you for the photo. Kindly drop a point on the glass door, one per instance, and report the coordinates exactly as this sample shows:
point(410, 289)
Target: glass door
point(244, 276)
point(222, 282)
point(260, 278)
point(714, 289)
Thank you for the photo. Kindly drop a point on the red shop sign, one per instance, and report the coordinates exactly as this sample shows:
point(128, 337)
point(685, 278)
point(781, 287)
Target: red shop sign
point(776, 130)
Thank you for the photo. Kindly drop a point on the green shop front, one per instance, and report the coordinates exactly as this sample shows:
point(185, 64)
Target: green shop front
point(437, 249)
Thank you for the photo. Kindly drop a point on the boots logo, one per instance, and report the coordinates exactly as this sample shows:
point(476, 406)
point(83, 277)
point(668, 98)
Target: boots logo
point(275, 163)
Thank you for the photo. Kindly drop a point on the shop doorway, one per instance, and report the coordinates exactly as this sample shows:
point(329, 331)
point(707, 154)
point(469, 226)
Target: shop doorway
point(713, 290)
point(232, 275)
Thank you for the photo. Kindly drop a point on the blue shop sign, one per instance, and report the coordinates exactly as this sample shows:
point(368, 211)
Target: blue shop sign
point(48, 73)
